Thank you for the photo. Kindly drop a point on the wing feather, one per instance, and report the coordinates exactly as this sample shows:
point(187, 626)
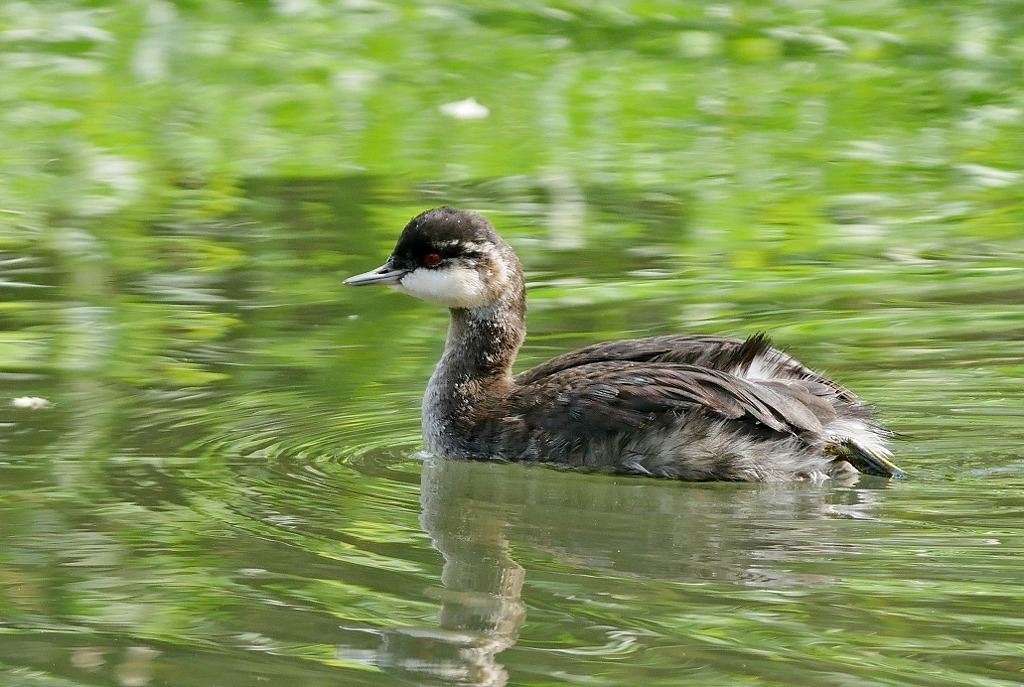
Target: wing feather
point(607, 397)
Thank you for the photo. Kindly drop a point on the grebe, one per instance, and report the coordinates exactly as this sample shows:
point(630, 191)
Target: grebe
point(686, 407)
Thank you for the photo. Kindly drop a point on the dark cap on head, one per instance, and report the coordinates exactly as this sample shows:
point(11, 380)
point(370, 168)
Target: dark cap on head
point(443, 230)
point(448, 224)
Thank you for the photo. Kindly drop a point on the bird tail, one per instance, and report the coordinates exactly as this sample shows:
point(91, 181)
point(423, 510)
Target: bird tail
point(862, 444)
point(868, 460)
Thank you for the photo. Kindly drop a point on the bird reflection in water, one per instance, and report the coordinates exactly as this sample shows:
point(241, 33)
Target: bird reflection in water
point(744, 535)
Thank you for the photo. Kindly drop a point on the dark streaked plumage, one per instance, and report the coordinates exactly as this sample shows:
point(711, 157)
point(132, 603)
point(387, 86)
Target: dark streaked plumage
point(688, 407)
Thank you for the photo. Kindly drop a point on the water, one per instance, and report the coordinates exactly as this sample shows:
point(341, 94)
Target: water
point(222, 484)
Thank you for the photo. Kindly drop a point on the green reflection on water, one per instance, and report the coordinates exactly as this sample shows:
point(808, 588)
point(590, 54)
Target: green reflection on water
point(224, 487)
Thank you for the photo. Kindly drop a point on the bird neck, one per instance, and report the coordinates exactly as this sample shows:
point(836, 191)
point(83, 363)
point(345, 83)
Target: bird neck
point(482, 342)
point(475, 368)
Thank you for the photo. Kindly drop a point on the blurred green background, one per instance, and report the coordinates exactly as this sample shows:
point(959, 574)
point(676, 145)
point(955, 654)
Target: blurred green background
point(220, 482)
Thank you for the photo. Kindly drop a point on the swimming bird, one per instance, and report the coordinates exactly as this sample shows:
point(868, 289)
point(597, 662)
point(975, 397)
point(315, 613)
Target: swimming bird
point(690, 407)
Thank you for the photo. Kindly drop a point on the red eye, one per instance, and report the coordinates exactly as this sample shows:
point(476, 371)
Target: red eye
point(431, 259)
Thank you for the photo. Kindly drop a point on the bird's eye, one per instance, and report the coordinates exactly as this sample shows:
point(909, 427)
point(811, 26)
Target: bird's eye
point(432, 259)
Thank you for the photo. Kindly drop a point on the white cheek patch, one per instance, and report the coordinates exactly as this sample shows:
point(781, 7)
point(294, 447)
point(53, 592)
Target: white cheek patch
point(452, 287)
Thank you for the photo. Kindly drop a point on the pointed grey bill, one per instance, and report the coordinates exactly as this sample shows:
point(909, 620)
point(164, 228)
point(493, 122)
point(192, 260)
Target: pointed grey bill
point(385, 274)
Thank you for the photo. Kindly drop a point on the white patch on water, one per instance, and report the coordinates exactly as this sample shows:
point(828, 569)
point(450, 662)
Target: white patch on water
point(465, 109)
